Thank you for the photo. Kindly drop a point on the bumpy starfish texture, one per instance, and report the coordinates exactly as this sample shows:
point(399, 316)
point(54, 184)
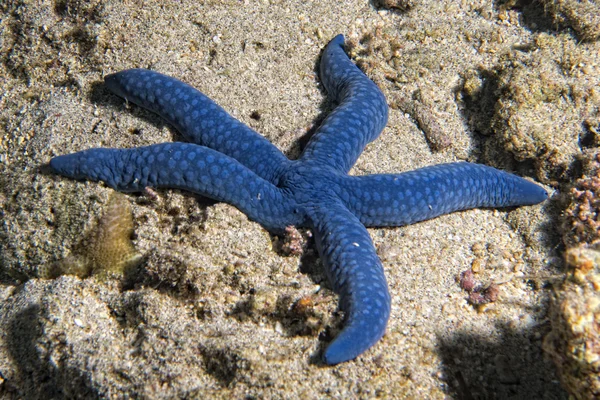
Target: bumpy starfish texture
point(229, 162)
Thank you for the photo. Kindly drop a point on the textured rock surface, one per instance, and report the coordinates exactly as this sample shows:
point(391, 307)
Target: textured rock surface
point(549, 104)
point(574, 343)
point(582, 16)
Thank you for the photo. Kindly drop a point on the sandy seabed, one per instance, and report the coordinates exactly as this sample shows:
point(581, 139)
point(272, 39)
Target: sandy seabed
point(213, 311)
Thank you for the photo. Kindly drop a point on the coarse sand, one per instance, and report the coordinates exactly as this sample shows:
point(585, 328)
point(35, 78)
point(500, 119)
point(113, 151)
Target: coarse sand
point(217, 309)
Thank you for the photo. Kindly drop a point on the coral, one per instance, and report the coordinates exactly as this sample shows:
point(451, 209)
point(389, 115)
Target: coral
point(581, 218)
point(106, 250)
point(574, 342)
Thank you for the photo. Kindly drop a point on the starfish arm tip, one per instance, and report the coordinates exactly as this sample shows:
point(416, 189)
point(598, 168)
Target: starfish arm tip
point(112, 82)
point(356, 274)
point(337, 40)
point(400, 199)
point(359, 118)
point(357, 337)
point(529, 193)
point(88, 164)
point(63, 165)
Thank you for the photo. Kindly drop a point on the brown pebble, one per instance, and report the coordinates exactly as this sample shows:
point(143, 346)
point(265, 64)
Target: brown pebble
point(435, 135)
point(402, 5)
point(476, 265)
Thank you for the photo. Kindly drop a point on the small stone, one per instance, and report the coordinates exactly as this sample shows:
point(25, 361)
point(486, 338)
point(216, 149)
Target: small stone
point(476, 265)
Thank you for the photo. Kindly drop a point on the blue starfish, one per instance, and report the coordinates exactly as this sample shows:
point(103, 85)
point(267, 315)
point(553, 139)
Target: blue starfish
point(230, 162)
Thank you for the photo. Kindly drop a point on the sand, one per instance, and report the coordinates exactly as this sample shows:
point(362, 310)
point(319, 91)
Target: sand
point(216, 310)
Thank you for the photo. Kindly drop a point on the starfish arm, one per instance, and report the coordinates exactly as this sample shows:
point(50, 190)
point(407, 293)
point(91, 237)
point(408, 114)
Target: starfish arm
point(356, 274)
point(401, 199)
point(184, 166)
point(358, 119)
point(199, 119)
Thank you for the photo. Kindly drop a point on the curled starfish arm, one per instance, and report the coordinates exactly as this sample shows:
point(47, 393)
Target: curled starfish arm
point(184, 166)
point(356, 274)
point(401, 199)
point(199, 119)
point(358, 119)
